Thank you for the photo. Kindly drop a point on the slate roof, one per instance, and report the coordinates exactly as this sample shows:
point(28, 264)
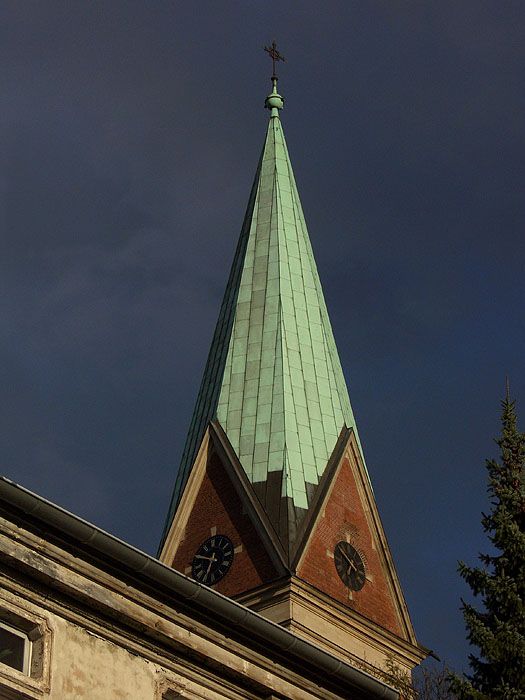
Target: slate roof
point(273, 379)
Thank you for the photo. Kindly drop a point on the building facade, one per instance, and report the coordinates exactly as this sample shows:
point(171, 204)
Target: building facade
point(84, 615)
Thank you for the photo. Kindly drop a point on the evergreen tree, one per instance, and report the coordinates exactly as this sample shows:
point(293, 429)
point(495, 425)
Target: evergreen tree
point(499, 630)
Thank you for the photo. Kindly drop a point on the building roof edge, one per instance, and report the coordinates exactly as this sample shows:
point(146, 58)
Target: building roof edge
point(90, 537)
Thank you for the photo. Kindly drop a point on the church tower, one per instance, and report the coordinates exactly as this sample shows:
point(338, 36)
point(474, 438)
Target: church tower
point(273, 504)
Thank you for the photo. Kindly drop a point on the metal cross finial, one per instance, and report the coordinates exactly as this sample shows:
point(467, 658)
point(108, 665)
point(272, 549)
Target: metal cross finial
point(274, 55)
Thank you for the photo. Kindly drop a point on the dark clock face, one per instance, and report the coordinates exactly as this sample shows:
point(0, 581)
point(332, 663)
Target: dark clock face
point(212, 560)
point(349, 566)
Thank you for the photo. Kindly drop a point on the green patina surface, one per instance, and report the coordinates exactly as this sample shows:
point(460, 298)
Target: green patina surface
point(283, 399)
point(273, 378)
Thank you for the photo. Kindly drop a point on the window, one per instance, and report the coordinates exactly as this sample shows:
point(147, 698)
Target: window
point(15, 648)
point(167, 690)
point(25, 645)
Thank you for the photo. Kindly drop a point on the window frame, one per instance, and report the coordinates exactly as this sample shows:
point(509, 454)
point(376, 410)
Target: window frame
point(30, 624)
point(28, 645)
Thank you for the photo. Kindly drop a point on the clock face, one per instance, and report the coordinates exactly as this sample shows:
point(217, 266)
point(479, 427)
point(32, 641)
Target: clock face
point(349, 566)
point(212, 560)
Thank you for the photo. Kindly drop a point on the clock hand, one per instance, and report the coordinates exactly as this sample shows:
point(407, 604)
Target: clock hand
point(212, 560)
point(345, 555)
point(200, 556)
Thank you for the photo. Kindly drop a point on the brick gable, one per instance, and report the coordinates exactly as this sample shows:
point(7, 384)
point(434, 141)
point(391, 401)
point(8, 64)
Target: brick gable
point(217, 505)
point(344, 518)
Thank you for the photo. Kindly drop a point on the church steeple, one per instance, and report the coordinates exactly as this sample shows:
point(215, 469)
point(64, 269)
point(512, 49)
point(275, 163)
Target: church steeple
point(272, 503)
point(273, 379)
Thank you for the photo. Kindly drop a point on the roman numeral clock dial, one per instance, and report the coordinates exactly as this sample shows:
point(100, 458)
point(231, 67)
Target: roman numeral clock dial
point(212, 560)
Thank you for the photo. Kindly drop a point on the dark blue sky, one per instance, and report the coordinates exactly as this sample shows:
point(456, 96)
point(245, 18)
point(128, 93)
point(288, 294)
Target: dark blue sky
point(129, 137)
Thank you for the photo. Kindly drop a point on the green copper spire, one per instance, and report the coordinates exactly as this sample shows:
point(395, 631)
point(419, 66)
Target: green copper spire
point(273, 379)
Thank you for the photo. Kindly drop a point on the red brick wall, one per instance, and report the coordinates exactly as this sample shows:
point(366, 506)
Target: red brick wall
point(344, 515)
point(217, 505)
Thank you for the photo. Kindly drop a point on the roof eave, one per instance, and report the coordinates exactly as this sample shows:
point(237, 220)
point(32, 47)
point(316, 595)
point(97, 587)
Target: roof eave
point(89, 539)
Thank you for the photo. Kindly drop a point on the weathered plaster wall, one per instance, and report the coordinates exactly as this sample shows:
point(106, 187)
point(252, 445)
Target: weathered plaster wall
point(86, 666)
